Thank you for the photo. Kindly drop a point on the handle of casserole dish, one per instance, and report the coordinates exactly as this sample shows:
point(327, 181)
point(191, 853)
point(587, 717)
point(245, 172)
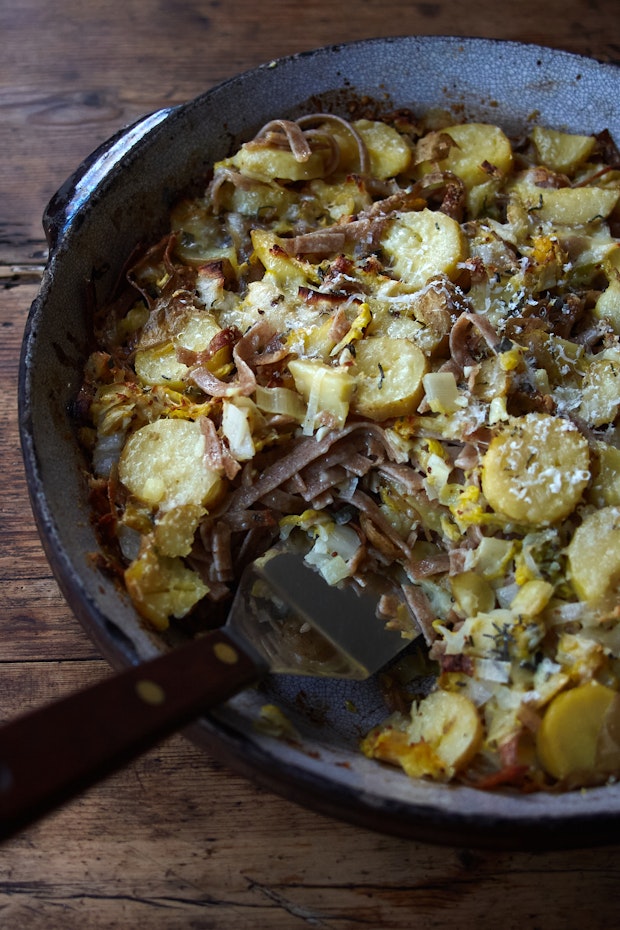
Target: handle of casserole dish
point(66, 202)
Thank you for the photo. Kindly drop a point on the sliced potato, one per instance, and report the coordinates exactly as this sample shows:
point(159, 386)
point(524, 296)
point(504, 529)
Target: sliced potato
point(267, 163)
point(390, 153)
point(600, 393)
point(477, 145)
point(326, 390)
point(562, 151)
point(450, 724)
point(158, 364)
point(388, 377)
point(175, 529)
point(343, 199)
point(536, 469)
point(418, 760)
point(566, 747)
point(161, 587)
point(163, 465)
point(423, 244)
point(605, 490)
point(568, 206)
point(594, 554)
point(444, 735)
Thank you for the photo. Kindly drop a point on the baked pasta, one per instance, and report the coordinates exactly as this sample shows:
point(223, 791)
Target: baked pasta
point(397, 339)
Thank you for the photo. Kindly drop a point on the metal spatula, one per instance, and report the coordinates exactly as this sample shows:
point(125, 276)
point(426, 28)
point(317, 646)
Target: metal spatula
point(285, 618)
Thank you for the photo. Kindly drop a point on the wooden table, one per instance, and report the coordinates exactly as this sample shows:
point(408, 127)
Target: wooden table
point(175, 840)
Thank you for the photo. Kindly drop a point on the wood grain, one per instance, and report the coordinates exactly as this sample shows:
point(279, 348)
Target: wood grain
point(176, 840)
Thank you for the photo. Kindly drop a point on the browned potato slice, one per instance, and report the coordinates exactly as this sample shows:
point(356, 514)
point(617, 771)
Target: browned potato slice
point(266, 163)
point(568, 206)
point(450, 724)
point(444, 735)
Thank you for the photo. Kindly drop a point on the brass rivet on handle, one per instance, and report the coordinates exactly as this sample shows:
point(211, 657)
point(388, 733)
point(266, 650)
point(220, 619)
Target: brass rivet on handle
point(226, 653)
point(150, 692)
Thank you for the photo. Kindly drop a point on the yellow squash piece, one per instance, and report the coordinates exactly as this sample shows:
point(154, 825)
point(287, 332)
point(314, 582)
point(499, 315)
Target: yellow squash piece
point(576, 737)
point(288, 272)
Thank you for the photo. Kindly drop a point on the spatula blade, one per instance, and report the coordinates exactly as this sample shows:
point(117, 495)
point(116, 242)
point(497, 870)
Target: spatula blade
point(304, 626)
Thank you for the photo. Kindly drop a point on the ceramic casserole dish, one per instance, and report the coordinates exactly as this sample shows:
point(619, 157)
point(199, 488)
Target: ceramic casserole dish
point(121, 195)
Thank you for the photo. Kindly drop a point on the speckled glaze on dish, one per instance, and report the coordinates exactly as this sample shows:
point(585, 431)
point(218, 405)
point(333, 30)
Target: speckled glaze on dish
point(120, 196)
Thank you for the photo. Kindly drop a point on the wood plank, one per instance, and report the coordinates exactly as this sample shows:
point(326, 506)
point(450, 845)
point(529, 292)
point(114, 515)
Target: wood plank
point(35, 617)
point(200, 845)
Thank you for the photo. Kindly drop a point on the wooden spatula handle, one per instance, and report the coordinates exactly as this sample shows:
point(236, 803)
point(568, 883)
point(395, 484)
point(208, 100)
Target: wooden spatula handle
point(49, 755)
